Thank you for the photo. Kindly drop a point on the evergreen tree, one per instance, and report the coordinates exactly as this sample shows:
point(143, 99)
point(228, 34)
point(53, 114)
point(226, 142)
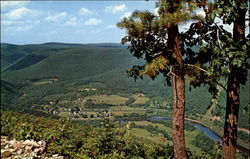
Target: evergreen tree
point(157, 39)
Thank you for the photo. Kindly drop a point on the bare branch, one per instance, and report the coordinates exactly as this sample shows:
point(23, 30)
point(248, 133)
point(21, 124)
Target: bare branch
point(218, 36)
point(221, 86)
point(196, 67)
point(170, 72)
point(207, 71)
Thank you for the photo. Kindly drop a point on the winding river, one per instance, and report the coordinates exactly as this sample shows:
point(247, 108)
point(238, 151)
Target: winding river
point(213, 136)
point(209, 133)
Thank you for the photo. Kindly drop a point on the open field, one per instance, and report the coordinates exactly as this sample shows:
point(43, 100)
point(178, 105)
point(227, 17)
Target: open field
point(45, 81)
point(140, 99)
point(159, 138)
point(107, 99)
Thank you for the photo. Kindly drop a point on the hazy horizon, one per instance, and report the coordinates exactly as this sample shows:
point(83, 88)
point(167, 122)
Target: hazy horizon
point(50, 42)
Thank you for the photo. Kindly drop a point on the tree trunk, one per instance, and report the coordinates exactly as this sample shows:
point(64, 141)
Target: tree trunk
point(230, 128)
point(178, 117)
point(233, 94)
point(178, 114)
point(178, 95)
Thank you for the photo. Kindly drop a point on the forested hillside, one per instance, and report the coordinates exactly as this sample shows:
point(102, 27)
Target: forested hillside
point(89, 82)
point(59, 71)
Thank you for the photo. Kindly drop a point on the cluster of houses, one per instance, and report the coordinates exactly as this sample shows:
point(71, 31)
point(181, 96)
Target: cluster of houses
point(78, 112)
point(88, 89)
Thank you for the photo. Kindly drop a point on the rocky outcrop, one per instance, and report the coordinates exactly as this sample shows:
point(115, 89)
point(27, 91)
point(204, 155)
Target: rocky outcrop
point(28, 149)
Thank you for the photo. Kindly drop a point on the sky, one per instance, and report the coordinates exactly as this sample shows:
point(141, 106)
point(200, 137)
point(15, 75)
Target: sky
point(35, 22)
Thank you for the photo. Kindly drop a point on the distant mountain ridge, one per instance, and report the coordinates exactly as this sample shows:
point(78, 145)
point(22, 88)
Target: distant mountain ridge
point(17, 59)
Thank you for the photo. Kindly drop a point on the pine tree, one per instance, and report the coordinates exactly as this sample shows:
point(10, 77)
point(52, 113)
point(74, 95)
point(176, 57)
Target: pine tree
point(157, 39)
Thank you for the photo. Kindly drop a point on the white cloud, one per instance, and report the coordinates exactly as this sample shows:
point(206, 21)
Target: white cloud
point(12, 4)
point(111, 26)
point(12, 26)
point(7, 22)
point(57, 17)
point(218, 21)
point(185, 26)
point(93, 21)
point(23, 28)
point(200, 12)
point(227, 27)
point(15, 23)
point(85, 11)
point(156, 11)
point(126, 15)
point(20, 13)
point(63, 19)
point(115, 9)
point(20, 28)
point(71, 22)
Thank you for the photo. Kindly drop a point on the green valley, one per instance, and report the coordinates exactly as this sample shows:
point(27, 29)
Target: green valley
point(87, 84)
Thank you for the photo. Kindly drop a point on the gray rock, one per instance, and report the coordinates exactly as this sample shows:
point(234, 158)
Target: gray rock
point(58, 157)
point(27, 157)
point(7, 146)
point(55, 155)
point(33, 154)
point(28, 149)
point(10, 149)
point(31, 142)
point(19, 152)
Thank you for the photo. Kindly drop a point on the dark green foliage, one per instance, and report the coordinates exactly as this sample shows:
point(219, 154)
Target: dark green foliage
point(204, 143)
point(244, 136)
point(153, 130)
point(201, 156)
point(231, 7)
point(166, 123)
point(189, 126)
point(218, 52)
point(74, 68)
point(75, 141)
point(10, 53)
point(61, 65)
point(147, 36)
point(130, 101)
point(24, 62)
point(225, 57)
point(9, 93)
